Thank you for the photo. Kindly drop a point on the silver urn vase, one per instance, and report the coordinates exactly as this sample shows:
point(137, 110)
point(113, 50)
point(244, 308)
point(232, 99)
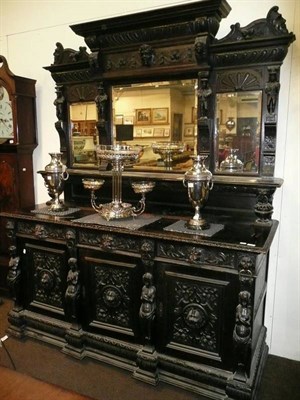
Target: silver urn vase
point(55, 175)
point(199, 182)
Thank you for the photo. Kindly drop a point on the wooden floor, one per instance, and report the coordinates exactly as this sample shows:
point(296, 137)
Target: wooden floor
point(17, 386)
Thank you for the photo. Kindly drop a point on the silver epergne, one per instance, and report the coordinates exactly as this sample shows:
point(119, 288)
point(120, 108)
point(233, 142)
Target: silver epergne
point(198, 181)
point(55, 175)
point(118, 156)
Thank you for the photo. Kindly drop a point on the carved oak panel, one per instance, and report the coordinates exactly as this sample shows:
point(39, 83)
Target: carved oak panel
point(46, 269)
point(112, 293)
point(195, 312)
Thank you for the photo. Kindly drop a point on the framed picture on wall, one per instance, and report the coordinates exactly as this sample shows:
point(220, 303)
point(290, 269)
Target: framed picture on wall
point(138, 132)
point(147, 132)
point(128, 120)
point(189, 130)
point(166, 132)
point(158, 132)
point(119, 119)
point(143, 116)
point(160, 115)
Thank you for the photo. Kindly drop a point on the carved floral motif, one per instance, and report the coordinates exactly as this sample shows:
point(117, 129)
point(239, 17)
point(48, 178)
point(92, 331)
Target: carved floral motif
point(108, 241)
point(196, 255)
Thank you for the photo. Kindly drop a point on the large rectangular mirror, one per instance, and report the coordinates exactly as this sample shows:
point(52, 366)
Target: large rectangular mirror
point(84, 136)
point(159, 116)
point(238, 132)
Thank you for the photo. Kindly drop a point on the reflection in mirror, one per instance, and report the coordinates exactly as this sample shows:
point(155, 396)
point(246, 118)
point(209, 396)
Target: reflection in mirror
point(157, 115)
point(238, 132)
point(84, 135)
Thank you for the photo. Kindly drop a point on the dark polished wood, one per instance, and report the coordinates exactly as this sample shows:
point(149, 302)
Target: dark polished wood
point(174, 307)
point(16, 169)
point(169, 307)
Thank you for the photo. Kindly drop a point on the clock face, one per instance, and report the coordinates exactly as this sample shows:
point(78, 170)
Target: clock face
point(6, 116)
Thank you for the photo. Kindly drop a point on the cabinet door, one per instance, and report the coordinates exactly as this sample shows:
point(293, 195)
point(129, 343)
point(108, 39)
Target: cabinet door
point(196, 312)
point(112, 287)
point(45, 269)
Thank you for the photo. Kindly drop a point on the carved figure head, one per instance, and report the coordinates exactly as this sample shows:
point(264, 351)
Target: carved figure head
point(147, 55)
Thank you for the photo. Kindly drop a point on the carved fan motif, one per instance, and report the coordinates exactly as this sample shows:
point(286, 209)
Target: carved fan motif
point(243, 80)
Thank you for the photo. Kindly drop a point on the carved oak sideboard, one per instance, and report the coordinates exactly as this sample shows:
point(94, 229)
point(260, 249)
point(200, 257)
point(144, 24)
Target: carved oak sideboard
point(172, 307)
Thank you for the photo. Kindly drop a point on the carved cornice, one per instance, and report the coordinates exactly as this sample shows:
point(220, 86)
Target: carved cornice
point(249, 56)
point(62, 77)
point(264, 40)
point(166, 31)
point(272, 25)
point(154, 25)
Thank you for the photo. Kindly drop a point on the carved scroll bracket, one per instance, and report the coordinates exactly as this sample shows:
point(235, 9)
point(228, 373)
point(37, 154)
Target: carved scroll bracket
point(242, 333)
point(263, 207)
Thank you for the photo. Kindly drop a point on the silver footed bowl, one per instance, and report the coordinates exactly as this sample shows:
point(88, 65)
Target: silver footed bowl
point(92, 184)
point(168, 148)
point(119, 153)
point(142, 186)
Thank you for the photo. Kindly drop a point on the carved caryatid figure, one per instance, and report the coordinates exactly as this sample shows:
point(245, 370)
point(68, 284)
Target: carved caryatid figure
point(59, 103)
point(243, 317)
point(73, 289)
point(203, 93)
point(14, 272)
point(148, 306)
point(272, 89)
point(101, 101)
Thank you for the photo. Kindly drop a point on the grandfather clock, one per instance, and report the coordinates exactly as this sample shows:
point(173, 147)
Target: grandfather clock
point(17, 142)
